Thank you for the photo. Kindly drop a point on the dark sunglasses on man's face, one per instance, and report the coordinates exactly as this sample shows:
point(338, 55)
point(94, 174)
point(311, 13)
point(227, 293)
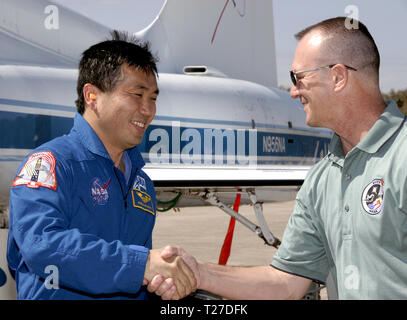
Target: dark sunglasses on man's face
point(293, 74)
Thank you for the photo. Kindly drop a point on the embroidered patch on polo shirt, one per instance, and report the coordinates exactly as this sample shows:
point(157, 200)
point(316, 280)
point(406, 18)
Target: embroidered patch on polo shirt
point(38, 171)
point(373, 197)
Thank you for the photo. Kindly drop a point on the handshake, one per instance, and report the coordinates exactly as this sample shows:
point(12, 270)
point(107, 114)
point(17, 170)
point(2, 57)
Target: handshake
point(171, 273)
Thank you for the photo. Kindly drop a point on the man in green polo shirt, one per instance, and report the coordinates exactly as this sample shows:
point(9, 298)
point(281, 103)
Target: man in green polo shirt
point(350, 216)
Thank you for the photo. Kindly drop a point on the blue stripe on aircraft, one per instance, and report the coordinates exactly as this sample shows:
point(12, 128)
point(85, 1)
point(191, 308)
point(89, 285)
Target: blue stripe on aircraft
point(35, 130)
point(163, 141)
point(58, 107)
point(225, 122)
point(34, 104)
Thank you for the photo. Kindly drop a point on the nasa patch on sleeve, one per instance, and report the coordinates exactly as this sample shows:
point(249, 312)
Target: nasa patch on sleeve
point(38, 171)
point(373, 197)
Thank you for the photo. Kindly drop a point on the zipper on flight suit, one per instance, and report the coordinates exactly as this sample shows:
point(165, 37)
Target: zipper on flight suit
point(124, 195)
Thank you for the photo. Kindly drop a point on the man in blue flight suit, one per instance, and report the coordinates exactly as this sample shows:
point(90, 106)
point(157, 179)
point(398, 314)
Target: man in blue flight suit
point(81, 205)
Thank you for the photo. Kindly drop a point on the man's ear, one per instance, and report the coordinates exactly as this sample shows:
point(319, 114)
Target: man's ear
point(339, 77)
point(90, 95)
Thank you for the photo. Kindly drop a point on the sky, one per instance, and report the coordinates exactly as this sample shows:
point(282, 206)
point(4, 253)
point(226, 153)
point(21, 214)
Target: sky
point(386, 21)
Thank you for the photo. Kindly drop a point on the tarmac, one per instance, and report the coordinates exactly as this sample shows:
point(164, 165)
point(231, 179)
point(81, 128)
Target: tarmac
point(201, 232)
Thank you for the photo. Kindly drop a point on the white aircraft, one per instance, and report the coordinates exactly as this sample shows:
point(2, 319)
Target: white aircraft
point(221, 128)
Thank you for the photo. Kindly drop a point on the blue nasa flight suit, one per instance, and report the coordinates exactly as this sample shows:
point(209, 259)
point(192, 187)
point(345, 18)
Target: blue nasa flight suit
point(92, 233)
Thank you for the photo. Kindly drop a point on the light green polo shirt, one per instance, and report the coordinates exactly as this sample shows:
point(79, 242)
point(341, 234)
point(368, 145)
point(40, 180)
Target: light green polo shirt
point(350, 216)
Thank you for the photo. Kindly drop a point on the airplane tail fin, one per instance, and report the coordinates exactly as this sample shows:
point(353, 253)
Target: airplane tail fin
point(230, 37)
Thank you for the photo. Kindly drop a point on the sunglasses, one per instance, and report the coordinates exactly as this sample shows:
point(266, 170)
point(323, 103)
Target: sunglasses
point(293, 74)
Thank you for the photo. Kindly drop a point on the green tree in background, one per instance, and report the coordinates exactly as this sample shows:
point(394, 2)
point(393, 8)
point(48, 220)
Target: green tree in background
point(400, 96)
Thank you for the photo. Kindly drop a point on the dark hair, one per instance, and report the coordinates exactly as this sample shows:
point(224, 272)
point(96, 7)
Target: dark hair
point(101, 64)
point(360, 43)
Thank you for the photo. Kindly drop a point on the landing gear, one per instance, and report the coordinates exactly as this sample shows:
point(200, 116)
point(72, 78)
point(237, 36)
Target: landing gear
point(261, 230)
